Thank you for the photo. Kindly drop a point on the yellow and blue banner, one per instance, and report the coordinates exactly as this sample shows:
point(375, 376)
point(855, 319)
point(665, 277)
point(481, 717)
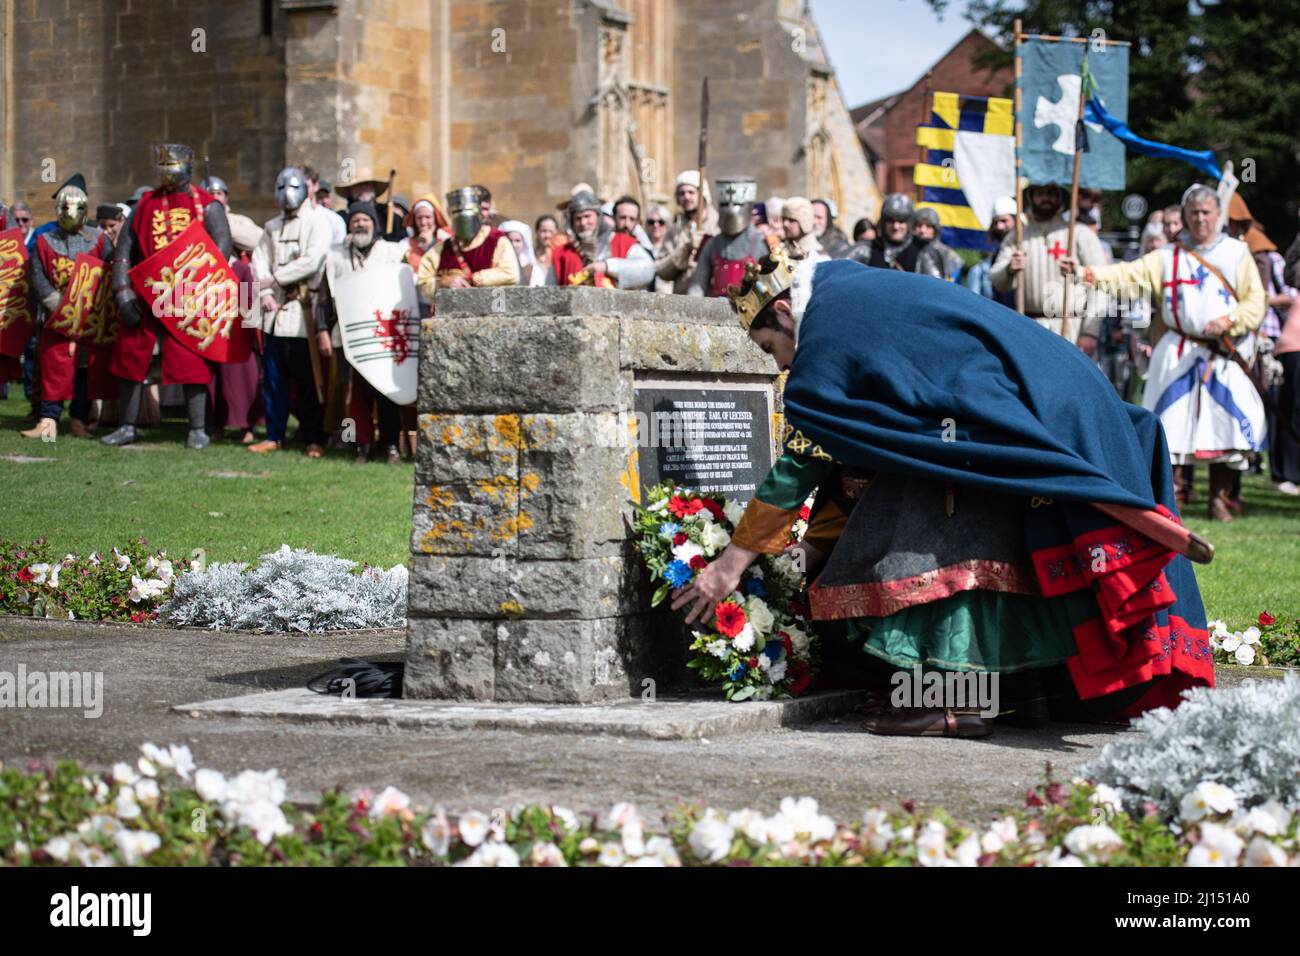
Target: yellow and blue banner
point(969, 164)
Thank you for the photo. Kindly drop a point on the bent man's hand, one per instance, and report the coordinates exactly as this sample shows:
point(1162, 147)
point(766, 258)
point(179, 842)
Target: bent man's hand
point(1017, 262)
point(713, 583)
point(1216, 327)
point(1068, 266)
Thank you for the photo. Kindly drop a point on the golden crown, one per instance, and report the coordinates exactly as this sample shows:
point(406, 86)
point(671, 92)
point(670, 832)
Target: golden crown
point(758, 288)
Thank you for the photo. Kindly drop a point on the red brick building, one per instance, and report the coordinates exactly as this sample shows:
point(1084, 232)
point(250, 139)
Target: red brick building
point(887, 126)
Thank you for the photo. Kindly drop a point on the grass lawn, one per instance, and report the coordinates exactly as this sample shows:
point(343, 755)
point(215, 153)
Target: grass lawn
point(233, 504)
point(236, 506)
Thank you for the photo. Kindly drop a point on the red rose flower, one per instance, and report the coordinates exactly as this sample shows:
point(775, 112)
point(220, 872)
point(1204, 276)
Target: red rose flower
point(787, 644)
point(1265, 619)
point(713, 508)
point(800, 677)
point(698, 563)
point(25, 575)
point(731, 619)
point(680, 538)
point(804, 512)
point(752, 662)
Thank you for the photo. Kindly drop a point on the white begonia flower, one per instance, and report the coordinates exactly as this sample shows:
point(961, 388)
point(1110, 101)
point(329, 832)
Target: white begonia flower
point(60, 848)
point(662, 848)
point(1093, 842)
point(125, 806)
point(54, 576)
point(135, 845)
point(210, 784)
point(1281, 816)
point(751, 823)
point(1107, 796)
point(611, 854)
point(166, 573)
point(176, 757)
point(733, 511)
point(100, 823)
point(147, 791)
point(1218, 846)
point(714, 537)
point(492, 854)
point(1250, 635)
point(150, 564)
point(94, 558)
point(120, 560)
point(645, 861)
point(1245, 655)
point(1059, 857)
point(568, 819)
point(1262, 852)
point(1207, 797)
point(147, 767)
point(1218, 628)
point(39, 572)
point(759, 614)
point(877, 830)
point(436, 833)
point(546, 854)
point(686, 550)
point(390, 801)
point(968, 851)
point(473, 828)
point(1231, 642)
point(745, 639)
point(93, 856)
point(710, 837)
point(932, 845)
point(124, 774)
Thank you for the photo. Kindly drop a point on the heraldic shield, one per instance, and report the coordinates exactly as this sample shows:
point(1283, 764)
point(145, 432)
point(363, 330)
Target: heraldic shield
point(379, 323)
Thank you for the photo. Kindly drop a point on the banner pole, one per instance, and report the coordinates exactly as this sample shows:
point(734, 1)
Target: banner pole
point(1074, 193)
point(1020, 238)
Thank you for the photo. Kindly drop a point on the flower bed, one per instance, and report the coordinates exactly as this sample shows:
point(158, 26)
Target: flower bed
point(165, 811)
point(1270, 643)
point(128, 585)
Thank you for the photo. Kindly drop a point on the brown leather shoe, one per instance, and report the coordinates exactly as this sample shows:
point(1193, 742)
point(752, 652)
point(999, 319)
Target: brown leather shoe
point(315, 451)
point(47, 429)
point(262, 447)
point(928, 722)
point(77, 428)
point(1220, 510)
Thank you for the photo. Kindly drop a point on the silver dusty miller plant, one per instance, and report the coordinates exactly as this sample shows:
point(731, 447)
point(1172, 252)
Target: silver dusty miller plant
point(289, 590)
point(1246, 738)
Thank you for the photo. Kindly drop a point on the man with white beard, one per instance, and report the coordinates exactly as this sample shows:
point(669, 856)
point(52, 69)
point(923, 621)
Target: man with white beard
point(599, 256)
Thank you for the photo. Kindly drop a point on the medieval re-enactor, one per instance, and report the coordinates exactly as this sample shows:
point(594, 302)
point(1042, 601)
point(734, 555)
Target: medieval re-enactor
point(359, 250)
point(895, 247)
point(724, 257)
point(476, 254)
point(1205, 289)
point(599, 256)
point(160, 216)
point(53, 258)
point(286, 264)
point(954, 498)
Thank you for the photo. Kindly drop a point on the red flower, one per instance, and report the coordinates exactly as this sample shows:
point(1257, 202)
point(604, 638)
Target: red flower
point(801, 677)
point(786, 643)
point(799, 608)
point(1032, 799)
point(731, 619)
point(752, 662)
point(1265, 619)
point(26, 575)
point(804, 512)
point(694, 506)
point(678, 507)
point(713, 508)
point(698, 563)
point(680, 538)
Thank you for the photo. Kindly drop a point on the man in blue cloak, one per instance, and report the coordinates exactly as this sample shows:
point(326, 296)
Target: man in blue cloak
point(985, 501)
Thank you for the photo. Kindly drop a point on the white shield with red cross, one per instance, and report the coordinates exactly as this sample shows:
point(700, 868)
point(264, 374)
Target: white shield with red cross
point(379, 323)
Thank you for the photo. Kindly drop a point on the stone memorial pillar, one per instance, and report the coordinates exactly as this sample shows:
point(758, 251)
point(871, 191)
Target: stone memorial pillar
point(542, 411)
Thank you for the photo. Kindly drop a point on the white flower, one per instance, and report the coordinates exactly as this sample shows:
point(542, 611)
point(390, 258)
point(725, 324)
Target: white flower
point(751, 823)
point(1218, 629)
point(762, 693)
point(611, 854)
point(54, 575)
point(1250, 635)
point(805, 818)
point(266, 820)
point(147, 791)
point(799, 640)
point(1208, 797)
point(1093, 842)
point(146, 767)
point(968, 851)
point(568, 819)
point(777, 671)
point(932, 845)
point(391, 800)
point(745, 639)
point(210, 784)
point(877, 830)
point(710, 837)
point(1245, 654)
point(125, 806)
point(1280, 815)
point(686, 550)
point(646, 861)
point(1260, 853)
point(660, 505)
point(1219, 846)
point(662, 848)
point(121, 560)
point(60, 848)
point(40, 572)
point(123, 774)
point(547, 854)
point(99, 823)
point(167, 574)
point(93, 856)
point(1000, 833)
point(150, 564)
point(436, 833)
point(94, 559)
point(492, 854)
point(142, 590)
point(1107, 796)
point(1059, 857)
point(135, 845)
point(714, 537)
point(176, 757)
point(759, 614)
point(1231, 642)
point(473, 828)
point(717, 648)
point(733, 511)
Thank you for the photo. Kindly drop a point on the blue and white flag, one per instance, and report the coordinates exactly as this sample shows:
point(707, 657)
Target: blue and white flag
point(1050, 80)
point(1202, 159)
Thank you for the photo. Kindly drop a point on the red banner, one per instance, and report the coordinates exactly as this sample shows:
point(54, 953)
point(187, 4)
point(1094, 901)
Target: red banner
point(193, 292)
point(86, 312)
point(17, 323)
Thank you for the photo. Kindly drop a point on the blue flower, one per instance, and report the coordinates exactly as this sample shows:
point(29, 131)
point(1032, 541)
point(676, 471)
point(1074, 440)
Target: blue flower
point(756, 587)
point(773, 649)
point(678, 573)
point(668, 529)
point(737, 672)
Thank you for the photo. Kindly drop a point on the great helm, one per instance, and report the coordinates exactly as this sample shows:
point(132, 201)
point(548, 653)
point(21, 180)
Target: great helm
point(465, 205)
point(736, 197)
point(175, 163)
point(290, 188)
point(759, 287)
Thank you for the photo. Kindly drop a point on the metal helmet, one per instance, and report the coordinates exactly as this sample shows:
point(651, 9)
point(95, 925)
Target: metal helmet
point(214, 184)
point(290, 188)
point(928, 216)
point(736, 204)
point(465, 205)
point(71, 204)
point(897, 206)
point(175, 163)
point(584, 200)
